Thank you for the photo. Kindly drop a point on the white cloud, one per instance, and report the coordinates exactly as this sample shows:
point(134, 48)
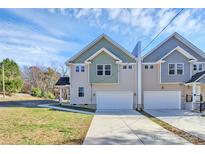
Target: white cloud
point(29, 46)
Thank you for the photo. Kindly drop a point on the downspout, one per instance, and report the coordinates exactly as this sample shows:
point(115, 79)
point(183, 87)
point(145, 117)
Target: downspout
point(139, 78)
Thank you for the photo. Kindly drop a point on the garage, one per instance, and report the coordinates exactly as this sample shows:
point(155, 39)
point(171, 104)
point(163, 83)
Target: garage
point(162, 100)
point(121, 100)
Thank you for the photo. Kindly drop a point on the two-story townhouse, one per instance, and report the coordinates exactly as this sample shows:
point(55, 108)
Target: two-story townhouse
point(170, 76)
point(171, 73)
point(103, 73)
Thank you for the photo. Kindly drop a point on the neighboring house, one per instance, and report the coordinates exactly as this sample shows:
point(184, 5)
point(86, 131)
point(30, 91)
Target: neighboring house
point(63, 84)
point(170, 76)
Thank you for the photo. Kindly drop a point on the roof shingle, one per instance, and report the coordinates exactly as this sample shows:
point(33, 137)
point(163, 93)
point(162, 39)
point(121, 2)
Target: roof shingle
point(63, 81)
point(196, 76)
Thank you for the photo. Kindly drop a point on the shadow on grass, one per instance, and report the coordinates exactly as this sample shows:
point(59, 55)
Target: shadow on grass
point(26, 103)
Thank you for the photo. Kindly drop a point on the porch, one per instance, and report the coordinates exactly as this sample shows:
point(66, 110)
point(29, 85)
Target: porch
point(63, 84)
point(195, 96)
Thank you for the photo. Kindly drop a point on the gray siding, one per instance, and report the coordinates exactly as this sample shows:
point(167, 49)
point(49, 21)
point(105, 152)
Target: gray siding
point(175, 57)
point(202, 80)
point(103, 58)
point(169, 45)
point(104, 43)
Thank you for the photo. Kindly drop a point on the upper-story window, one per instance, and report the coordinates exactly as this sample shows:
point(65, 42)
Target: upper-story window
point(77, 68)
point(146, 66)
point(176, 69)
point(107, 69)
point(171, 69)
point(127, 66)
point(180, 69)
point(149, 66)
point(99, 69)
point(80, 68)
point(130, 66)
point(104, 69)
point(197, 67)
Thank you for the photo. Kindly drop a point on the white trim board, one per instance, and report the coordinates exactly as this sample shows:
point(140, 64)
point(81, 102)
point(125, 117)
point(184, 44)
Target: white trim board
point(100, 51)
point(95, 41)
point(180, 38)
point(179, 49)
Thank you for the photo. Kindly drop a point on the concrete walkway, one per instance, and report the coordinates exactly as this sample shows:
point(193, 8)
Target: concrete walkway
point(127, 127)
point(188, 121)
point(64, 109)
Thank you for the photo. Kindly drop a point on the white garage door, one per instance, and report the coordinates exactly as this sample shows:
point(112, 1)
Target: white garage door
point(114, 100)
point(162, 100)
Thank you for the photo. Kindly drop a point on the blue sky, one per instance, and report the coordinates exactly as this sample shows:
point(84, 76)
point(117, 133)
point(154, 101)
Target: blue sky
point(51, 36)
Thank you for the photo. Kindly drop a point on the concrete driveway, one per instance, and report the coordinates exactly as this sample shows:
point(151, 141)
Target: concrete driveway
point(127, 127)
point(188, 121)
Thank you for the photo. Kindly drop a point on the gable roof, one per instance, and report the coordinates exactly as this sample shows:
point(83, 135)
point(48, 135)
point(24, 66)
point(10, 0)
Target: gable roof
point(63, 81)
point(183, 40)
point(182, 51)
point(94, 42)
point(100, 51)
point(196, 77)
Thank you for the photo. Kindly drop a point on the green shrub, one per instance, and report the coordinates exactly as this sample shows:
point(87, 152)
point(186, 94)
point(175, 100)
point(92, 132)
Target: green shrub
point(49, 95)
point(36, 92)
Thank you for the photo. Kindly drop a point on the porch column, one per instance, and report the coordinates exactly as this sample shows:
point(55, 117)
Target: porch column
point(193, 96)
point(60, 94)
point(68, 94)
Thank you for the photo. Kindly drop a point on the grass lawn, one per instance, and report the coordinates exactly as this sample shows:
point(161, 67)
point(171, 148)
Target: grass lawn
point(18, 97)
point(42, 126)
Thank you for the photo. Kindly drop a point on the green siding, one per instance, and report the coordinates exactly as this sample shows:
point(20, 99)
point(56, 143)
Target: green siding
point(103, 58)
point(104, 43)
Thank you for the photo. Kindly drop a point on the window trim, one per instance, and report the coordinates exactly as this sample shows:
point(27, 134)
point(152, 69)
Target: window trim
point(103, 74)
point(79, 92)
point(201, 67)
point(110, 70)
point(182, 68)
point(124, 66)
point(175, 69)
point(129, 66)
point(97, 70)
point(80, 68)
point(197, 67)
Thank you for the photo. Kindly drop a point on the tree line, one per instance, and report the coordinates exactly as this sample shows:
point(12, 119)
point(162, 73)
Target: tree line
point(36, 80)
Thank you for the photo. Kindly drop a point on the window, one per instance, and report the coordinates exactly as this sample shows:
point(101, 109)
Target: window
point(180, 69)
point(99, 69)
point(151, 66)
point(80, 68)
point(130, 66)
point(81, 92)
point(171, 69)
point(146, 67)
point(200, 67)
point(176, 69)
point(104, 70)
point(124, 66)
point(194, 67)
point(197, 67)
point(77, 68)
point(107, 69)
